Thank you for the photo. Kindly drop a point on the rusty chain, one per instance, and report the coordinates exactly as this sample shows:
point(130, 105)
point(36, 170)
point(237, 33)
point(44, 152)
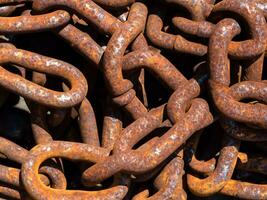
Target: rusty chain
point(127, 99)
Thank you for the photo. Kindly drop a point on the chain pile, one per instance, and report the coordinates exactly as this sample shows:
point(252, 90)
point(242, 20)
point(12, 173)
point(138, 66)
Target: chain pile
point(125, 99)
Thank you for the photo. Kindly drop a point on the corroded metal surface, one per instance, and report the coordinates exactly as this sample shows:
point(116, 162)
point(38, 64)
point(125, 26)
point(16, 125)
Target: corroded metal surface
point(101, 99)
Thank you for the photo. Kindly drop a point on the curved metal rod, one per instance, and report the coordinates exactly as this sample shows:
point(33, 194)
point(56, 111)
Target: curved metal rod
point(199, 10)
point(245, 190)
point(47, 65)
point(168, 183)
point(217, 180)
point(170, 41)
point(33, 23)
point(68, 150)
point(89, 10)
point(153, 152)
point(20, 155)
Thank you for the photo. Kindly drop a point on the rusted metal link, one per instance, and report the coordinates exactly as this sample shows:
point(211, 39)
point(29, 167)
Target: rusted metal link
point(68, 150)
point(173, 84)
point(157, 64)
point(179, 100)
point(90, 11)
point(244, 190)
point(203, 167)
point(11, 176)
point(253, 114)
point(133, 133)
point(220, 80)
point(151, 121)
point(20, 155)
point(33, 23)
point(256, 22)
point(43, 64)
point(86, 120)
point(112, 126)
point(12, 151)
point(199, 10)
point(120, 88)
point(169, 41)
point(219, 177)
point(82, 42)
point(246, 9)
point(153, 152)
point(117, 46)
point(169, 183)
point(87, 124)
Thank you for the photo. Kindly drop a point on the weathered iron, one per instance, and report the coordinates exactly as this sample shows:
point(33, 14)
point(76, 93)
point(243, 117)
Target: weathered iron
point(119, 95)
